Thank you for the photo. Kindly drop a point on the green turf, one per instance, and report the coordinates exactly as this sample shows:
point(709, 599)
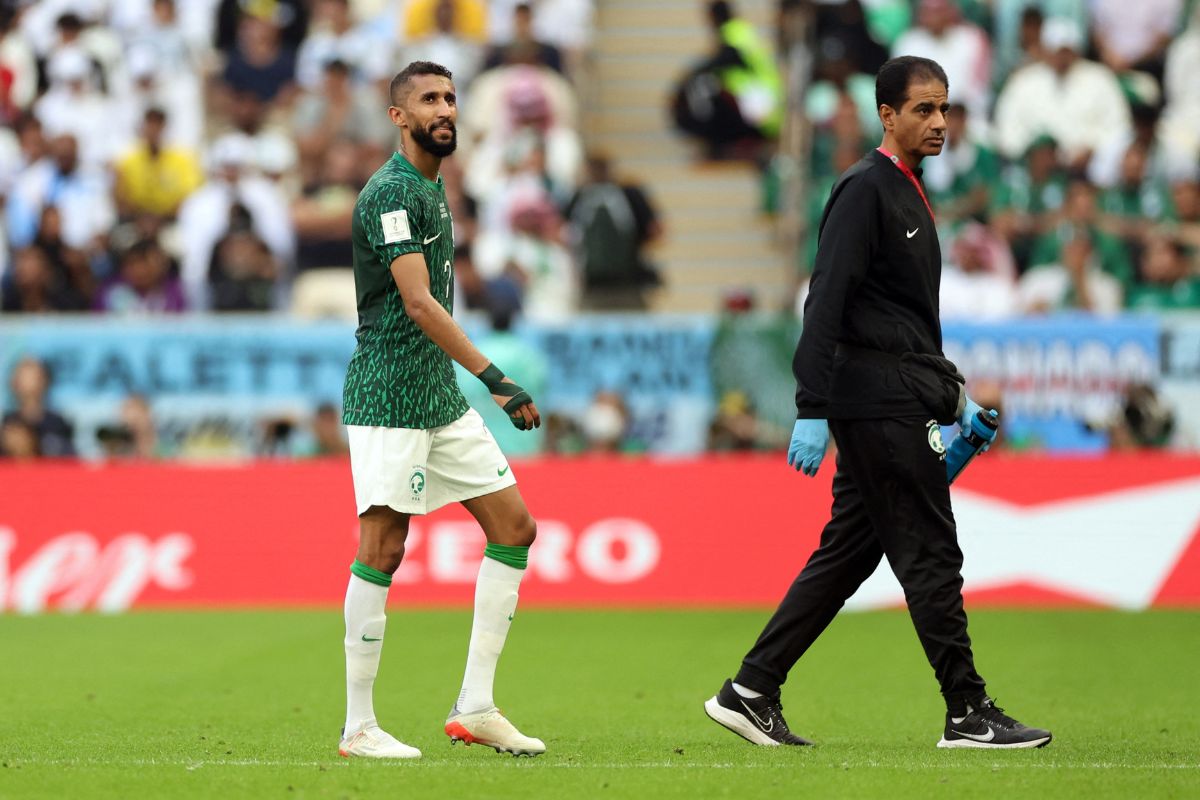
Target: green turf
point(247, 704)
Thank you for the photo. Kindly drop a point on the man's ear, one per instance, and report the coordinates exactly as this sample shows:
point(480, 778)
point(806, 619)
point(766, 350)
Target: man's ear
point(887, 115)
point(397, 116)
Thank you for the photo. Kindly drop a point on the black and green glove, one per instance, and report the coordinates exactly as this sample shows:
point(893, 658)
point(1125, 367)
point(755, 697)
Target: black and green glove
point(493, 379)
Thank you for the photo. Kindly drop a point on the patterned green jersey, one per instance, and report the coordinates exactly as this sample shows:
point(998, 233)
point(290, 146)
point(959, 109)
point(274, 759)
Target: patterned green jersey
point(398, 378)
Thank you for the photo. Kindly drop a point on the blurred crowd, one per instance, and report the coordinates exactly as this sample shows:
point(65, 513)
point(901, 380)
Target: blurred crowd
point(160, 156)
point(1070, 179)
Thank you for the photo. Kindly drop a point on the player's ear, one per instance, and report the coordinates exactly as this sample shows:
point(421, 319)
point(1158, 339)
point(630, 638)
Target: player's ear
point(397, 116)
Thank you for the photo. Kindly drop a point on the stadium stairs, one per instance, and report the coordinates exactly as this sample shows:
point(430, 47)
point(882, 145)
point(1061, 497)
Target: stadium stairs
point(717, 239)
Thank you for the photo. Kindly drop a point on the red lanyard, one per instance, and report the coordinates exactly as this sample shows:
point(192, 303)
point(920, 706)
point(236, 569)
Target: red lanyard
point(908, 173)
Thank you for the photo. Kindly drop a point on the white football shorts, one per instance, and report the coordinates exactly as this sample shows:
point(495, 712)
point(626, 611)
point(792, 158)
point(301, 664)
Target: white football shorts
point(417, 471)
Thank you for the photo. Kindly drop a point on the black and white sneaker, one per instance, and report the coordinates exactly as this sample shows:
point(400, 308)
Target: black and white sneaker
point(989, 727)
point(758, 720)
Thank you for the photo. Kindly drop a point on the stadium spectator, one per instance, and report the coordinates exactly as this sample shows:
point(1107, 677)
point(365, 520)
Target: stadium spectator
point(470, 19)
point(1169, 279)
point(290, 17)
point(1078, 102)
point(260, 62)
point(979, 282)
point(524, 47)
point(1080, 212)
point(154, 177)
point(18, 440)
point(1016, 30)
point(960, 180)
point(1104, 170)
point(612, 222)
point(328, 436)
point(735, 427)
point(605, 425)
point(30, 286)
point(842, 34)
point(533, 158)
point(1137, 196)
point(733, 100)
point(447, 46)
point(143, 284)
point(322, 215)
point(961, 48)
point(1181, 117)
point(339, 110)
point(18, 88)
point(1139, 420)
point(135, 433)
point(204, 218)
point(29, 385)
point(272, 149)
point(79, 191)
point(1134, 36)
point(74, 107)
point(71, 267)
point(1027, 196)
point(243, 275)
point(1074, 282)
point(152, 84)
point(532, 257)
point(566, 24)
point(333, 36)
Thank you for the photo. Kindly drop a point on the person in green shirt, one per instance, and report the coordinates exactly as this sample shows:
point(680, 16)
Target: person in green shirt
point(1027, 196)
point(1169, 280)
point(415, 444)
point(960, 182)
point(1080, 211)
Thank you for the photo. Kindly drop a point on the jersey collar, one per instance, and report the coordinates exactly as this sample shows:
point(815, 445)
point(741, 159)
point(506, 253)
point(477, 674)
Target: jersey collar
point(407, 166)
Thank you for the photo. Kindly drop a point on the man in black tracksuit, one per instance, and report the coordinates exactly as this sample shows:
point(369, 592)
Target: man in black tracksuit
point(869, 369)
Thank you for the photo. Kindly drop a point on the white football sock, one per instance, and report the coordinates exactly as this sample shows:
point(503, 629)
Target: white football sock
point(365, 622)
point(749, 694)
point(495, 604)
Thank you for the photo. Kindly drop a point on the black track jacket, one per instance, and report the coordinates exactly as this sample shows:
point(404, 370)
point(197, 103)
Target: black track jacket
point(874, 287)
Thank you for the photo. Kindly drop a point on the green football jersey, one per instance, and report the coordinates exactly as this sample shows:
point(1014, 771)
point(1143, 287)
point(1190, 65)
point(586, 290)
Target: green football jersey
point(398, 378)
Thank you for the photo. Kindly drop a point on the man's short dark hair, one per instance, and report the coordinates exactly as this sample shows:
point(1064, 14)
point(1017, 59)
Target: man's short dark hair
point(720, 12)
point(399, 88)
point(894, 77)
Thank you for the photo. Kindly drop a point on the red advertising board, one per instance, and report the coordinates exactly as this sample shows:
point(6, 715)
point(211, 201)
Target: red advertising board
point(1119, 531)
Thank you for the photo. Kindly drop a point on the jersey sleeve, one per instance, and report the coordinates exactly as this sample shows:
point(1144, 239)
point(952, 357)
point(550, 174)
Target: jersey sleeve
point(394, 221)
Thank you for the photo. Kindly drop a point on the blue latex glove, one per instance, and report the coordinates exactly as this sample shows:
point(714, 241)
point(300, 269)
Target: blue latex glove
point(810, 437)
point(970, 409)
point(964, 420)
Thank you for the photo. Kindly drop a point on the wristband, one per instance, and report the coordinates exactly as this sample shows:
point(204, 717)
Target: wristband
point(493, 379)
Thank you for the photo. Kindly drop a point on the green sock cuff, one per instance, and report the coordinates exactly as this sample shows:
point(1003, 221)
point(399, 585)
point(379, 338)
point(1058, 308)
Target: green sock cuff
point(513, 555)
point(370, 574)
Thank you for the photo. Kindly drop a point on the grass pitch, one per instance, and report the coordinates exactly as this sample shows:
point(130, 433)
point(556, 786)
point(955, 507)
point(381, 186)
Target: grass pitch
point(248, 704)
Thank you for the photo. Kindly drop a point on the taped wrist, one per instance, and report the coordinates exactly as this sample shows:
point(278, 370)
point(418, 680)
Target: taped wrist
point(493, 379)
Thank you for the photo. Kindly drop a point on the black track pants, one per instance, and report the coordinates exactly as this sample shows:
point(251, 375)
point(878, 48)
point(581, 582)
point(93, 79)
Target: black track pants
point(890, 498)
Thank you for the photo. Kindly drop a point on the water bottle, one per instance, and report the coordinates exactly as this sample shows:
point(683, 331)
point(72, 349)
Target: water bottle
point(970, 442)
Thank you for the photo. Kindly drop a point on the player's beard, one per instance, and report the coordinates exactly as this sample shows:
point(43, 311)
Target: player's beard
point(424, 139)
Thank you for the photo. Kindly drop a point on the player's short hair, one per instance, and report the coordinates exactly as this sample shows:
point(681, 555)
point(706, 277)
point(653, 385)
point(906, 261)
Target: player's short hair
point(893, 79)
point(399, 87)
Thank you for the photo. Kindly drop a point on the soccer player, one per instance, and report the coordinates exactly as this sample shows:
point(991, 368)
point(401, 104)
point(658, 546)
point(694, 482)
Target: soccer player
point(415, 444)
point(869, 368)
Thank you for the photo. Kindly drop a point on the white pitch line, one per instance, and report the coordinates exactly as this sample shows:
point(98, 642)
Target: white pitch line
point(543, 764)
